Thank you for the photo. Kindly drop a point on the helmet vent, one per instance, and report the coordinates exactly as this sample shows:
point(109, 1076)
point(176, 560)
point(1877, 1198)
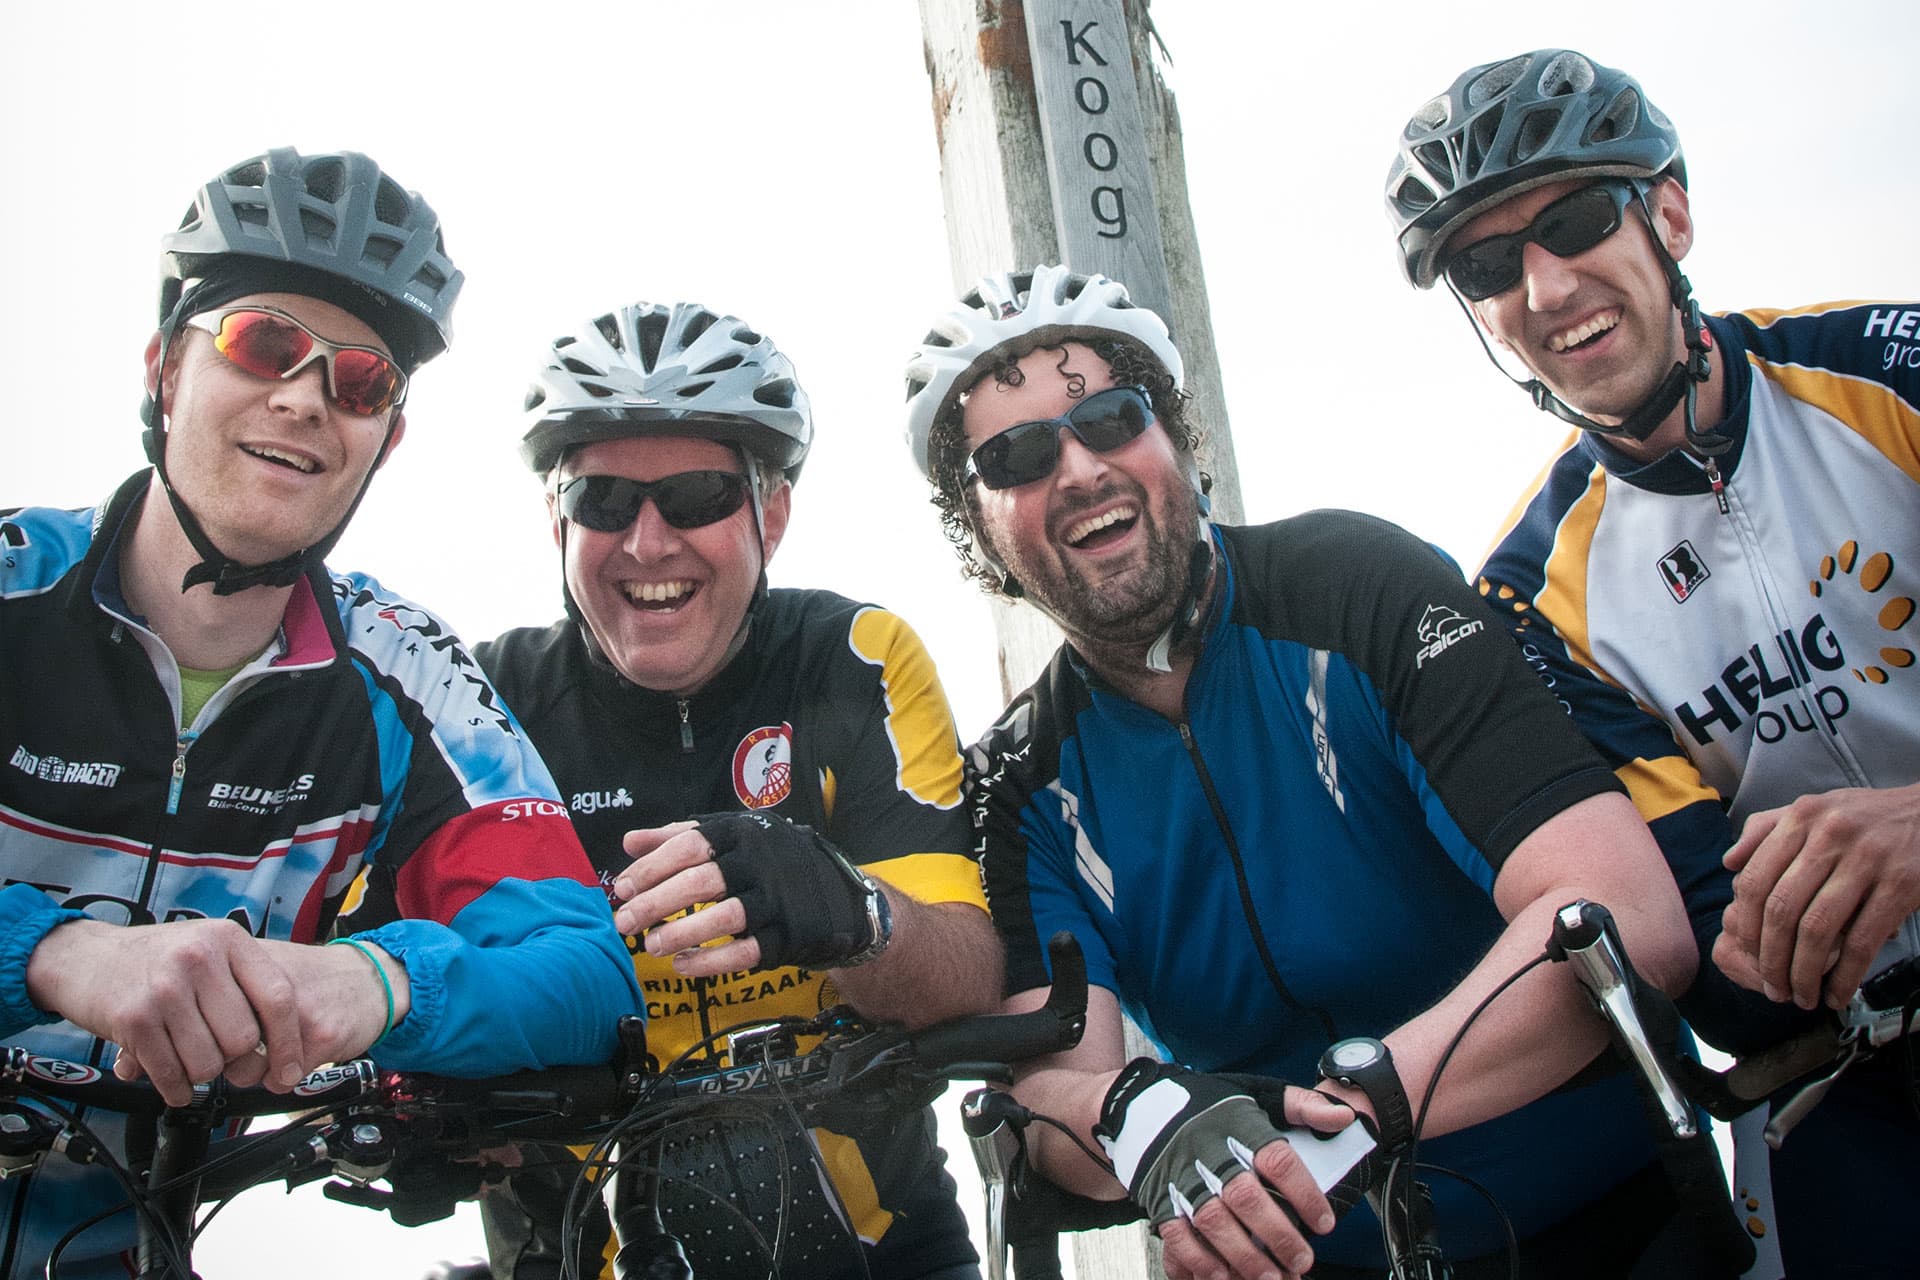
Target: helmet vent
point(1496, 81)
point(699, 324)
point(318, 228)
point(1481, 134)
point(251, 213)
point(1619, 120)
point(322, 178)
point(1435, 159)
point(691, 390)
point(390, 202)
point(1566, 75)
point(746, 336)
point(580, 367)
point(610, 330)
point(652, 332)
point(1430, 117)
point(1413, 195)
point(251, 174)
point(382, 249)
point(779, 393)
point(1535, 132)
point(725, 362)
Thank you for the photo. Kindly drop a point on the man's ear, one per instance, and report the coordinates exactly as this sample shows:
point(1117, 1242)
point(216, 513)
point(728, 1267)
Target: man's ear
point(153, 366)
point(395, 434)
point(1673, 217)
point(774, 520)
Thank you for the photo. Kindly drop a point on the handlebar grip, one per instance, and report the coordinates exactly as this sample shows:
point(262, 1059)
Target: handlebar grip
point(1001, 1039)
point(1584, 933)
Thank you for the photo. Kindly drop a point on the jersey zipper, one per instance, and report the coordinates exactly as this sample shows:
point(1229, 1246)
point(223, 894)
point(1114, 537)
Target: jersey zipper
point(1241, 882)
point(179, 781)
point(686, 727)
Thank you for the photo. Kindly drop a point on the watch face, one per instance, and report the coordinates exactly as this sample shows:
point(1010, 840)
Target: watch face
point(1352, 1055)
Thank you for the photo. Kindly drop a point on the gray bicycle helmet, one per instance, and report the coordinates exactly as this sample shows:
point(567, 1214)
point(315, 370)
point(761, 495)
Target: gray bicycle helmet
point(1008, 315)
point(667, 370)
point(1507, 127)
point(335, 215)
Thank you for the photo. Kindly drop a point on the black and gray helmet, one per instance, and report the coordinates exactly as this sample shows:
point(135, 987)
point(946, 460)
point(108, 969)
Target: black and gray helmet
point(337, 215)
point(667, 370)
point(1507, 127)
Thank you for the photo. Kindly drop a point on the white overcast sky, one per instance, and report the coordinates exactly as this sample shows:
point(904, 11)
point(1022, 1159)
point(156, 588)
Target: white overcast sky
point(777, 160)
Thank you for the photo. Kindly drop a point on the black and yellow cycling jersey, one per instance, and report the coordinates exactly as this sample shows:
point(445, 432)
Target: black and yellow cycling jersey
point(831, 715)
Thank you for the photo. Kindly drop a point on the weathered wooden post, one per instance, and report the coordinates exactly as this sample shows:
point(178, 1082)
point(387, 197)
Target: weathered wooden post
point(1059, 142)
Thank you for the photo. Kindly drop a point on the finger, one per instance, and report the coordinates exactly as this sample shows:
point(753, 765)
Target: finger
point(685, 890)
point(1784, 923)
point(728, 957)
point(1758, 827)
point(1321, 1112)
point(680, 851)
point(1247, 1231)
point(1878, 920)
point(1280, 1165)
point(1184, 1254)
point(645, 840)
point(723, 919)
point(1824, 923)
point(274, 1013)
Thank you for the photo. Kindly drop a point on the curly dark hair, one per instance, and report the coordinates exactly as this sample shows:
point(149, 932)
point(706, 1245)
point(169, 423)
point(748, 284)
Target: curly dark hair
point(1130, 363)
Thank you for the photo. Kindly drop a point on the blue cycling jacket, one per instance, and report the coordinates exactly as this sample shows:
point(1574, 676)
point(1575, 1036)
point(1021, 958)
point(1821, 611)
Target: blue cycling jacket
point(362, 759)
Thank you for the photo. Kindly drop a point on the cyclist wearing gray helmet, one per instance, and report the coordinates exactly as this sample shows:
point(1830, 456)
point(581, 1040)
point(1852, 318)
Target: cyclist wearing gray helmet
point(805, 735)
point(1287, 786)
point(209, 732)
point(1716, 573)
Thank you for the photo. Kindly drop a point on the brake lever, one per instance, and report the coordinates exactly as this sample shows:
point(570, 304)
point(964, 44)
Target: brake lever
point(1795, 1109)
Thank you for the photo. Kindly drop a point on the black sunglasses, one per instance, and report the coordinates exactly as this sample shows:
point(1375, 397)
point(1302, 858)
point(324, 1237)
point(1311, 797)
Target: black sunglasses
point(685, 500)
point(1569, 226)
point(1029, 451)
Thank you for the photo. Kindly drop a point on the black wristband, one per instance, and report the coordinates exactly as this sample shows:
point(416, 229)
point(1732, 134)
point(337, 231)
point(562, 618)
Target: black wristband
point(1365, 1064)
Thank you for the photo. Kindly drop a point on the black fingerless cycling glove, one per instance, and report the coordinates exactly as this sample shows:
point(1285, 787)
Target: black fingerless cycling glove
point(805, 903)
point(1175, 1136)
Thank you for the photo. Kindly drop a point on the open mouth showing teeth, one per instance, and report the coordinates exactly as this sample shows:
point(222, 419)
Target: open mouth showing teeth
point(660, 597)
point(305, 466)
point(1109, 526)
point(1591, 331)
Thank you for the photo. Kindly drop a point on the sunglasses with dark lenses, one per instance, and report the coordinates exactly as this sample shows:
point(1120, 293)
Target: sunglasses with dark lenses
point(685, 500)
point(272, 344)
point(1569, 226)
point(1029, 451)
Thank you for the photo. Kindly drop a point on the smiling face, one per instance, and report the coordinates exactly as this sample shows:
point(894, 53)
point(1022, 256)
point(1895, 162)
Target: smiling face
point(665, 604)
point(268, 466)
point(1102, 544)
point(1599, 328)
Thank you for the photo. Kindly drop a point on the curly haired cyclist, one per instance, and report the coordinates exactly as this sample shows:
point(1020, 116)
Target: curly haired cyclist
point(811, 731)
point(209, 735)
point(1717, 572)
point(1288, 787)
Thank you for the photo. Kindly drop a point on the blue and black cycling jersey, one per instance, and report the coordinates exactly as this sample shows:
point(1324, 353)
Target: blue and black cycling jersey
point(1309, 852)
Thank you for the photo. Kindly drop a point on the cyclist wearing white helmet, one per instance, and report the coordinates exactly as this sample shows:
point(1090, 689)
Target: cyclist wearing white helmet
point(1716, 573)
point(1287, 786)
point(806, 736)
point(211, 733)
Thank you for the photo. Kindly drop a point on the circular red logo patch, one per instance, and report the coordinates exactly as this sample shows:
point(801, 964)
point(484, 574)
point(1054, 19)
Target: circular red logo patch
point(763, 766)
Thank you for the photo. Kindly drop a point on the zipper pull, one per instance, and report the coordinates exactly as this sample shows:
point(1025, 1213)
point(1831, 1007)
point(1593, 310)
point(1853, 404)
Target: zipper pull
point(1719, 485)
point(686, 729)
point(179, 782)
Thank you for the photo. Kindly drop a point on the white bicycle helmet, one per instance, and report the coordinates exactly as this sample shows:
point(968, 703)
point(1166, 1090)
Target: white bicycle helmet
point(1506, 127)
point(667, 370)
point(1006, 316)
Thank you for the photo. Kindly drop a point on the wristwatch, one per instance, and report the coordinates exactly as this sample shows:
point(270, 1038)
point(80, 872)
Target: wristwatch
point(879, 920)
point(1365, 1064)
